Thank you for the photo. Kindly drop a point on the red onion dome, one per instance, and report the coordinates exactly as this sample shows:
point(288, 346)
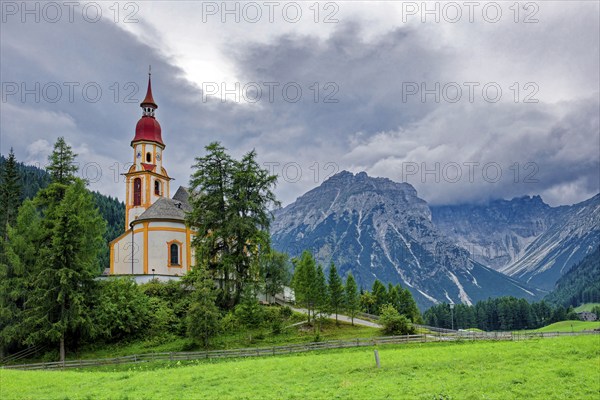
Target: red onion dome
point(148, 129)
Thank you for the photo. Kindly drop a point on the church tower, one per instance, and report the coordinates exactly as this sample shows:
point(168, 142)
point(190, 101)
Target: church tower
point(147, 180)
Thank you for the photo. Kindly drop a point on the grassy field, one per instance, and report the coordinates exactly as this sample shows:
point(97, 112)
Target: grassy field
point(558, 368)
point(586, 307)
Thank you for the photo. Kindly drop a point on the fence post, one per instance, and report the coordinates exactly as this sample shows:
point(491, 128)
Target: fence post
point(377, 358)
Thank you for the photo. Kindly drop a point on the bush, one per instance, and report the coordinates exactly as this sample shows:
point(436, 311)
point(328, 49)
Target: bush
point(394, 323)
point(163, 321)
point(285, 312)
point(121, 310)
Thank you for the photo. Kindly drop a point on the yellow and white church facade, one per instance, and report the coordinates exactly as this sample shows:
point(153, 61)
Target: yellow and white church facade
point(156, 241)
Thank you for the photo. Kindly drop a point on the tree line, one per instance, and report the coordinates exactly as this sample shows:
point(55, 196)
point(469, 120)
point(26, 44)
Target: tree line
point(499, 314)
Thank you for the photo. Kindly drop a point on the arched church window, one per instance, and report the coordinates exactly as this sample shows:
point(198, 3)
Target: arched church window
point(137, 192)
point(174, 254)
point(148, 157)
point(157, 187)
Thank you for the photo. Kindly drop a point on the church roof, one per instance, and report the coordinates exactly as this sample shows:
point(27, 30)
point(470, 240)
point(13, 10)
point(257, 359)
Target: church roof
point(164, 208)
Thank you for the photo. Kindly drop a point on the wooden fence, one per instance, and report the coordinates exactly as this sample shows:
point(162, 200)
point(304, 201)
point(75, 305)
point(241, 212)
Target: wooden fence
point(295, 348)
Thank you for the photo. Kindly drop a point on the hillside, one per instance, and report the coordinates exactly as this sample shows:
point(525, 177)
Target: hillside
point(380, 229)
point(524, 237)
point(580, 284)
point(112, 210)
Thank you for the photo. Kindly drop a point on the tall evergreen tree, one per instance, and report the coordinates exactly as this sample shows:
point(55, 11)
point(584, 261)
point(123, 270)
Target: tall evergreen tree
point(321, 294)
point(22, 255)
point(336, 291)
point(10, 194)
point(351, 296)
point(62, 166)
point(230, 201)
point(303, 281)
point(379, 292)
point(58, 306)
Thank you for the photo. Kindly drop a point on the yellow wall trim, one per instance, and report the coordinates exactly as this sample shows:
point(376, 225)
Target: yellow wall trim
point(145, 247)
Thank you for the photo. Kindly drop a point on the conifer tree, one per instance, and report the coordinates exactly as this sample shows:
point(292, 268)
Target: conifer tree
point(380, 294)
point(10, 193)
point(351, 296)
point(58, 306)
point(230, 201)
point(15, 273)
point(303, 281)
point(321, 293)
point(62, 166)
point(336, 291)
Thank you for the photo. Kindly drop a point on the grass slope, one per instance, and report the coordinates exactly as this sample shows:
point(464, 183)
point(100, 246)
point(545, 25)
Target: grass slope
point(560, 368)
point(586, 307)
point(570, 326)
point(233, 340)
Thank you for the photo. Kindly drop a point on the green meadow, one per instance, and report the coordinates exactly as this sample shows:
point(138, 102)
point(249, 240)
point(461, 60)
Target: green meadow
point(556, 368)
point(586, 307)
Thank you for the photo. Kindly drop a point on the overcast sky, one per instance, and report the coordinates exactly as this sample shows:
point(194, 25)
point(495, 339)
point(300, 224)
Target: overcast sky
point(466, 101)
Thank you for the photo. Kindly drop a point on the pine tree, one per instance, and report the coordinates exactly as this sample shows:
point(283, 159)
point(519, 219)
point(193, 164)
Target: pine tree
point(336, 291)
point(379, 292)
point(351, 296)
point(10, 194)
point(408, 306)
point(58, 306)
point(15, 273)
point(62, 166)
point(203, 315)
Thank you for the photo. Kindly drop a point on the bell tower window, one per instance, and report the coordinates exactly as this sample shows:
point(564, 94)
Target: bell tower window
point(148, 157)
point(157, 188)
point(137, 192)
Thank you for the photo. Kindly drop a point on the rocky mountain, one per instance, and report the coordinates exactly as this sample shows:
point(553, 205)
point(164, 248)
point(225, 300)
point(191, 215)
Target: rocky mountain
point(524, 237)
point(380, 229)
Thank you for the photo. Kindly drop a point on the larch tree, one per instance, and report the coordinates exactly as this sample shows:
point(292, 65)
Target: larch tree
point(230, 203)
point(303, 281)
point(336, 291)
point(351, 296)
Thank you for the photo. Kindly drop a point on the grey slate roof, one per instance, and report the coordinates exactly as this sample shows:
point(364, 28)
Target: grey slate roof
point(164, 208)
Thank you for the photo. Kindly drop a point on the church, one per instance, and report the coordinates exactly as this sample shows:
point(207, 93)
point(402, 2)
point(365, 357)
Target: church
point(156, 241)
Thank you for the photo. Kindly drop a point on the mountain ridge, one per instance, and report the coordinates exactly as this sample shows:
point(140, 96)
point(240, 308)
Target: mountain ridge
point(381, 229)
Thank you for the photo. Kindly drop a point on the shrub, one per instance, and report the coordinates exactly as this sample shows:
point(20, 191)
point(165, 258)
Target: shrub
point(121, 310)
point(394, 323)
point(285, 312)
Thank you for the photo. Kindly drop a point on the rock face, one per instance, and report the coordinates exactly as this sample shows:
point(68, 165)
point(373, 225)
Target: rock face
point(380, 229)
point(524, 237)
point(496, 234)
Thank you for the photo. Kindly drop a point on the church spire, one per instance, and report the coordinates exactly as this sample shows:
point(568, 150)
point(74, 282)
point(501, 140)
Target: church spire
point(148, 104)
